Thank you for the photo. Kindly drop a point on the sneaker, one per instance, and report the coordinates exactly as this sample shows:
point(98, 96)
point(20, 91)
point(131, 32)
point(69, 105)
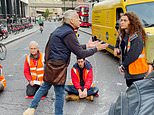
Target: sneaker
point(29, 111)
point(72, 97)
point(90, 98)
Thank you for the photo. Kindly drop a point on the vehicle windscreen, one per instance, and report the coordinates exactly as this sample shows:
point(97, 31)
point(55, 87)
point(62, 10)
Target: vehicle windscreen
point(145, 11)
point(84, 19)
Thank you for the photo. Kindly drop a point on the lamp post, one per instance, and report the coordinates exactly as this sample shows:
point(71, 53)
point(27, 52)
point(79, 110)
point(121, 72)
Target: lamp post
point(72, 4)
point(5, 10)
point(64, 6)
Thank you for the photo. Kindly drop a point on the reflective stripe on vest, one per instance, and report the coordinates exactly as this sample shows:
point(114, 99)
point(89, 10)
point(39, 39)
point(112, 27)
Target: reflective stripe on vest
point(3, 81)
point(85, 72)
point(37, 71)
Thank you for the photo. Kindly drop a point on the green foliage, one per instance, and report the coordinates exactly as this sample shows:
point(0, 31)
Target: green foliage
point(46, 13)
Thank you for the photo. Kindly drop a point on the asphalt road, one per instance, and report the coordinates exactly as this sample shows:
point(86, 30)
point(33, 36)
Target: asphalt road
point(106, 78)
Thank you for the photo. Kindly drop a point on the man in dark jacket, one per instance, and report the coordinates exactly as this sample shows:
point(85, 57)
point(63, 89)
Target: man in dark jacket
point(61, 43)
point(82, 79)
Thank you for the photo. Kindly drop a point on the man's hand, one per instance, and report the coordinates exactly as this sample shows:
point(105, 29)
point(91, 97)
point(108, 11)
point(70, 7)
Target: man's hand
point(101, 46)
point(31, 83)
point(121, 69)
point(80, 93)
point(91, 44)
point(85, 93)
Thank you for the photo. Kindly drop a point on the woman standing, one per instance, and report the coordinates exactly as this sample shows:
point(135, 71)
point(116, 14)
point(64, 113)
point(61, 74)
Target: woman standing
point(131, 47)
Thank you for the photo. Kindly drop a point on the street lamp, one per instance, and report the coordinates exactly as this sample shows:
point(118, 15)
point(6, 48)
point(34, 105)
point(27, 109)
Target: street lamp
point(72, 4)
point(5, 9)
point(64, 4)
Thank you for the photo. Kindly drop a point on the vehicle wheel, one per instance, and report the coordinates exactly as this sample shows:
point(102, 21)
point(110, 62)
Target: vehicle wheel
point(5, 35)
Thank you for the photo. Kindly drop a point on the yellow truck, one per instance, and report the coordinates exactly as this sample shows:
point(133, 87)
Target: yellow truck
point(106, 14)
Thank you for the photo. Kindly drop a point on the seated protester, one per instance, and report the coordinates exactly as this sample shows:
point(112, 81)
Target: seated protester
point(82, 78)
point(2, 80)
point(33, 69)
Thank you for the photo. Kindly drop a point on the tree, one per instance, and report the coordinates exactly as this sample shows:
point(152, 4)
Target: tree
point(46, 13)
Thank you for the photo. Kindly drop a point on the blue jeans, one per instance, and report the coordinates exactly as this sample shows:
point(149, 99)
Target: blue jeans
point(59, 99)
point(72, 90)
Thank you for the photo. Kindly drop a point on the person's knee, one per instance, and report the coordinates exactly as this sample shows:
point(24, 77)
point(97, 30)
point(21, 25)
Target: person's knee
point(1, 87)
point(30, 91)
point(67, 88)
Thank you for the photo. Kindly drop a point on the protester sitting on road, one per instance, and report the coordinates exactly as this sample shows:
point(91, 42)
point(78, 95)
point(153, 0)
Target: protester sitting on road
point(33, 69)
point(58, 50)
point(82, 78)
point(2, 80)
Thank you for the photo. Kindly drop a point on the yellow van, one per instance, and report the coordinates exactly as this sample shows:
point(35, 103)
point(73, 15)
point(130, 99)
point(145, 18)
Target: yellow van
point(106, 14)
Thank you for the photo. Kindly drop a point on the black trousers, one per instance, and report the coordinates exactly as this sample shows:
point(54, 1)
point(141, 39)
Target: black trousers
point(31, 90)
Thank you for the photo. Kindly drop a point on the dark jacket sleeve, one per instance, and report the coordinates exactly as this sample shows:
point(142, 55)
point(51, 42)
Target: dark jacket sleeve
point(134, 51)
point(74, 46)
point(117, 43)
point(83, 46)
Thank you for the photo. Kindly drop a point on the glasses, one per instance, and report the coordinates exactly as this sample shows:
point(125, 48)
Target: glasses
point(123, 20)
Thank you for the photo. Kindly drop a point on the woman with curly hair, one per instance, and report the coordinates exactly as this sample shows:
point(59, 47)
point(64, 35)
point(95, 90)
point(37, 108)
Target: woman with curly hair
point(130, 45)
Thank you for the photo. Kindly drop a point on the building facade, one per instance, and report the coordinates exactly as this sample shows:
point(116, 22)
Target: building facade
point(13, 8)
point(36, 7)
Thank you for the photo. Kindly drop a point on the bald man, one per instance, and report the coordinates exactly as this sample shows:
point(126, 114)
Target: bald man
point(33, 69)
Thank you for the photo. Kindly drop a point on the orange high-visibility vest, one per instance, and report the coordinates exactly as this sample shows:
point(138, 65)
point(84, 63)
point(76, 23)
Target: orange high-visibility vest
point(37, 71)
point(85, 72)
point(140, 65)
point(2, 79)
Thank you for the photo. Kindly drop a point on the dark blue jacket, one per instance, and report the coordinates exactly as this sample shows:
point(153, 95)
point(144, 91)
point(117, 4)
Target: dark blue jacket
point(58, 49)
point(62, 42)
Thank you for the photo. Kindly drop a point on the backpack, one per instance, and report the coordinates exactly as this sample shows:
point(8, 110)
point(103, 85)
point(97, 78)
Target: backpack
point(137, 100)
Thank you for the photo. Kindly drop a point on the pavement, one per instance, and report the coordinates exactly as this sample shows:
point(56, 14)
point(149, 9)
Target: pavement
point(11, 38)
